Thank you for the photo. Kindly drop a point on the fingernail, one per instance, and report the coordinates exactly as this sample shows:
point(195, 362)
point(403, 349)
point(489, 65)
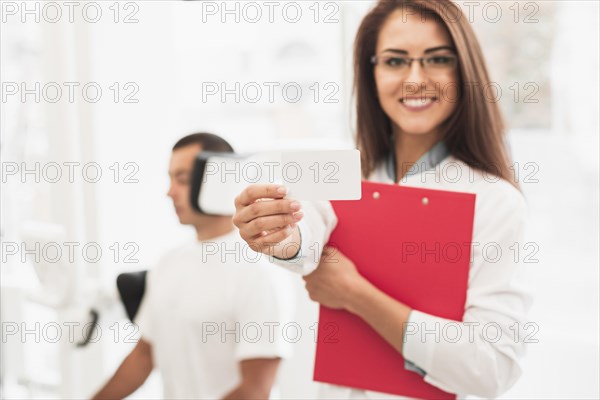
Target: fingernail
point(295, 206)
point(298, 215)
point(282, 190)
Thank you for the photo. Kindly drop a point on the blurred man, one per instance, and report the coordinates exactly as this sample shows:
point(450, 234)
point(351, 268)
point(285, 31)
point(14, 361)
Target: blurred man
point(211, 309)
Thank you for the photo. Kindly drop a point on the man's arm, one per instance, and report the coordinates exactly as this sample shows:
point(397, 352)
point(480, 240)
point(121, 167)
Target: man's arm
point(258, 376)
point(131, 374)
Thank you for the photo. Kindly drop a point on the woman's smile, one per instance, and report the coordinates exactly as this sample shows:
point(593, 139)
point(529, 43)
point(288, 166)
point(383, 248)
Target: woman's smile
point(417, 103)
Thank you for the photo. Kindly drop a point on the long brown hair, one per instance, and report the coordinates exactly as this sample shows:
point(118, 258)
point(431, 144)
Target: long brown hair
point(475, 133)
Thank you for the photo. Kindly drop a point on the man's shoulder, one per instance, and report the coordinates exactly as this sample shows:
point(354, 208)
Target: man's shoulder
point(177, 251)
point(173, 255)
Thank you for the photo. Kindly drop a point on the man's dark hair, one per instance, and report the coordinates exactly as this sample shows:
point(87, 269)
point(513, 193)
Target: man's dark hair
point(207, 141)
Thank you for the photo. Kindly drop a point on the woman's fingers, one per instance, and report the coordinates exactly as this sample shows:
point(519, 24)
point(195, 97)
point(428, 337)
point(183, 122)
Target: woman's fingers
point(264, 217)
point(263, 243)
point(266, 208)
point(259, 191)
point(269, 224)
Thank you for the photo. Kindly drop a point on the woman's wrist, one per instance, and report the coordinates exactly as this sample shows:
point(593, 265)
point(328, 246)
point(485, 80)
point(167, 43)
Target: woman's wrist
point(289, 249)
point(358, 295)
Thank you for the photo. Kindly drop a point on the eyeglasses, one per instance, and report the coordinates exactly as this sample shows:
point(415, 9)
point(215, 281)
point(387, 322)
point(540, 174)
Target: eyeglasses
point(434, 64)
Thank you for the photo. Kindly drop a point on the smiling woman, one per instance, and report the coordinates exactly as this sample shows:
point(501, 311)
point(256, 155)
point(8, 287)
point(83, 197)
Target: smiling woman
point(421, 109)
point(447, 83)
point(411, 95)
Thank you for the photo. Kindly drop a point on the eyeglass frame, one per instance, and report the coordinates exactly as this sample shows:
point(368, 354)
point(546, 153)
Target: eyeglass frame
point(374, 59)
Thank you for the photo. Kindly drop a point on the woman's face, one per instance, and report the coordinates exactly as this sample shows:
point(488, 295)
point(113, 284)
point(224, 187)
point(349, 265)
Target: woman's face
point(416, 99)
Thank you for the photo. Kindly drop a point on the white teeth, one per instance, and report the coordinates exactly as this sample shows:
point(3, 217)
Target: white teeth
point(417, 102)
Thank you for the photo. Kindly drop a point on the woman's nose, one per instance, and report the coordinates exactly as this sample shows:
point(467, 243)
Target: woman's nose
point(416, 73)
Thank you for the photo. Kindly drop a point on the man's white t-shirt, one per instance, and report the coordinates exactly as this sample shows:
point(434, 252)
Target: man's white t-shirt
point(209, 305)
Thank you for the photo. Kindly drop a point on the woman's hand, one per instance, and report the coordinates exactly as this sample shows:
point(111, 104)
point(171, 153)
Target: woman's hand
point(334, 281)
point(267, 220)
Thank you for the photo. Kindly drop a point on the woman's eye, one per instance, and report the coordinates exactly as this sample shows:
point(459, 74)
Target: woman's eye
point(396, 62)
point(440, 60)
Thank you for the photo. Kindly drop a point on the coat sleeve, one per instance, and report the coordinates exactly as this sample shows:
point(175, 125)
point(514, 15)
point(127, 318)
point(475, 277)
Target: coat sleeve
point(315, 229)
point(481, 355)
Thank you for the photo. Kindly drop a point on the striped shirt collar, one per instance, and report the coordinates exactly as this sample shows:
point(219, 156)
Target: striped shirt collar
point(428, 161)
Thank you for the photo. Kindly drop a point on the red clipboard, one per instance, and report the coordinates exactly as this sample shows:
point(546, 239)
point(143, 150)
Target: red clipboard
point(413, 244)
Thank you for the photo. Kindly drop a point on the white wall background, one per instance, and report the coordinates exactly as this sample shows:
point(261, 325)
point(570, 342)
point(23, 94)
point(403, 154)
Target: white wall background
point(170, 52)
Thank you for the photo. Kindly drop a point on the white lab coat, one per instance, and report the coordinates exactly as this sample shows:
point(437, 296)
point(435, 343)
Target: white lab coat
point(482, 362)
